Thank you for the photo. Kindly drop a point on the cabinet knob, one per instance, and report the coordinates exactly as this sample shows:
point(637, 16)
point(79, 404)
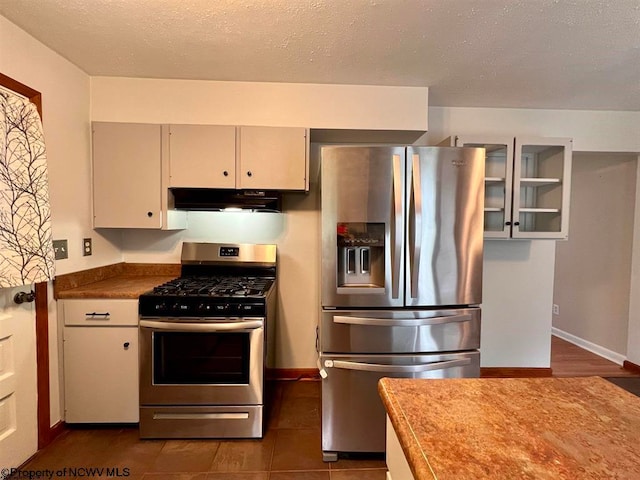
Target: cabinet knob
point(249, 173)
point(149, 214)
point(225, 173)
point(125, 345)
point(507, 223)
point(516, 223)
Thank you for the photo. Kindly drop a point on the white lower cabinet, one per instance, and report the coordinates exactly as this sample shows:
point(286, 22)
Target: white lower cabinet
point(397, 465)
point(101, 361)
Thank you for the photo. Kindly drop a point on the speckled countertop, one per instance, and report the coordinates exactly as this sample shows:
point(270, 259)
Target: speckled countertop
point(508, 428)
point(122, 280)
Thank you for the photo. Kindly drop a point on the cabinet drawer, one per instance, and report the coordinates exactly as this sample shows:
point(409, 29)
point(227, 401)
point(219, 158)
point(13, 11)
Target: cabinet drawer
point(100, 312)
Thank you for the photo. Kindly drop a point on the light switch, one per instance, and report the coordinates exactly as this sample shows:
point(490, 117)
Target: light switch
point(60, 249)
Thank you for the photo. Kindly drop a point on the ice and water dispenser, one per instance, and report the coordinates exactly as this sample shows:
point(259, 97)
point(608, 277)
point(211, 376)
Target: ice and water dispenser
point(360, 257)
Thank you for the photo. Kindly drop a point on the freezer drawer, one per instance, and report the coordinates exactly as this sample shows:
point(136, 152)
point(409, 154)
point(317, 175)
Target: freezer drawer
point(353, 417)
point(396, 331)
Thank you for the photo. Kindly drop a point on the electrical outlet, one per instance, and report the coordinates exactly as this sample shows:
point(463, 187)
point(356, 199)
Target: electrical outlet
point(86, 247)
point(556, 309)
point(60, 249)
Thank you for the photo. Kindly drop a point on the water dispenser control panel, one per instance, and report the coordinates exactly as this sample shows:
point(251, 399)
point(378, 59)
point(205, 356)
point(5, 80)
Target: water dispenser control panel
point(361, 255)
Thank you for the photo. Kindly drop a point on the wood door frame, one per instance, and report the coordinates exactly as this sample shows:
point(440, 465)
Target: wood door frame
point(45, 432)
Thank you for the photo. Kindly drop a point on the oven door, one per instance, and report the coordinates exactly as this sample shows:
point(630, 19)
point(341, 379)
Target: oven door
point(201, 363)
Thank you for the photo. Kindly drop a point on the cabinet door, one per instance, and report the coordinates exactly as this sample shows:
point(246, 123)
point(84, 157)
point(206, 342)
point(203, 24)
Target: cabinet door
point(126, 175)
point(101, 374)
point(541, 187)
point(497, 183)
point(273, 158)
point(202, 156)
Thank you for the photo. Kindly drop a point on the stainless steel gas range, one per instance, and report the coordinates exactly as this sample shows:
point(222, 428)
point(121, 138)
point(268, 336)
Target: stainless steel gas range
point(205, 341)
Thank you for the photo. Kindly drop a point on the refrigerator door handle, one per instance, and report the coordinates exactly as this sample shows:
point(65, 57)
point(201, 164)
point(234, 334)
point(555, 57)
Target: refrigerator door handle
point(385, 368)
point(416, 191)
point(410, 322)
point(396, 233)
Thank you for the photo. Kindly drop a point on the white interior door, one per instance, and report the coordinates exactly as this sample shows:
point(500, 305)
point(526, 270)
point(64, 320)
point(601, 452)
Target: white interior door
point(18, 380)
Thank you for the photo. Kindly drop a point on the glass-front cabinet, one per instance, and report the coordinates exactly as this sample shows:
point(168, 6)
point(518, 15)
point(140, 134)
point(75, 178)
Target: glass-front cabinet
point(527, 185)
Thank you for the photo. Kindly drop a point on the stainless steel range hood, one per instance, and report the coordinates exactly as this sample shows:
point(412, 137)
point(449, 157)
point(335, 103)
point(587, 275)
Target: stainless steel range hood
point(214, 199)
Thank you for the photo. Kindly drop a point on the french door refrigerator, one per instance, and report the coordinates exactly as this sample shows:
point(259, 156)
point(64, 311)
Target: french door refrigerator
point(402, 234)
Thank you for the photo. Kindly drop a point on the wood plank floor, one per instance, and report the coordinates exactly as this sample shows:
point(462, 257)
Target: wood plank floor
point(569, 360)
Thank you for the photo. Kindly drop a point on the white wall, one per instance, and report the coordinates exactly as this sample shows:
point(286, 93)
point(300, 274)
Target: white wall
point(593, 268)
point(66, 105)
point(516, 307)
point(633, 340)
point(247, 103)
point(591, 131)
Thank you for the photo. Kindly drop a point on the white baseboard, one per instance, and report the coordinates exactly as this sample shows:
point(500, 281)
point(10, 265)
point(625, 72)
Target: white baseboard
point(591, 347)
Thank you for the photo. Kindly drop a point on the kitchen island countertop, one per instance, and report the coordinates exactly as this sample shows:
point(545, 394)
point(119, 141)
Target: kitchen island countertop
point(525, 428)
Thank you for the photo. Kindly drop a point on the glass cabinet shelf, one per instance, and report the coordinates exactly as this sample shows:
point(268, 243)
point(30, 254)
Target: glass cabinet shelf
point(539, 210)
point(539, 182)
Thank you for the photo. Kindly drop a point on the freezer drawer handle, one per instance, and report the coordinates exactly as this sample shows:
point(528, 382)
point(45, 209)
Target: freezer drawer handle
point(203, 327)
point(383, 368)
point(411, 322)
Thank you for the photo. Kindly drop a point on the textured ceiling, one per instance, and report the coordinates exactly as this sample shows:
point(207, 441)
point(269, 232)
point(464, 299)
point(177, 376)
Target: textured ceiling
point(565, 54)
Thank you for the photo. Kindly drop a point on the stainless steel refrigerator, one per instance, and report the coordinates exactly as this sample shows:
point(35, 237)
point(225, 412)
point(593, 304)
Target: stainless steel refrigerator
point(402, 234)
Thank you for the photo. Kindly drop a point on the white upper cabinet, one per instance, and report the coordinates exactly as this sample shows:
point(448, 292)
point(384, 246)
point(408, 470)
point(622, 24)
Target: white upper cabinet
point(527, 185)
point(542, 176)
point(273, 158)
point(128, 174)
point(253, 158)
point(202, 156)
point(136, 165)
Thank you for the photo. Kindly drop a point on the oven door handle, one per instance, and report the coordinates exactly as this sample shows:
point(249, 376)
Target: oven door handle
point(203, 327)
point(383, 368)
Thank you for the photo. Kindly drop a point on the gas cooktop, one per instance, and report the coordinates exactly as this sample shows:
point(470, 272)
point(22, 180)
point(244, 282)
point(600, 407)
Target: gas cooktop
point(216, 281)
point(215, 286)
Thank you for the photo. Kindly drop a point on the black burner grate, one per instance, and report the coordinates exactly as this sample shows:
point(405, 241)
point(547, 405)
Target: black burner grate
point(215, 286)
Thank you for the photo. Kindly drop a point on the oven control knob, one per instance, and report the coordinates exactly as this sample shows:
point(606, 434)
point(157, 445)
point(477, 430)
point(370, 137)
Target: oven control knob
point(204, 308)
point(222, 308)
point(160, 307)
point(179, 307)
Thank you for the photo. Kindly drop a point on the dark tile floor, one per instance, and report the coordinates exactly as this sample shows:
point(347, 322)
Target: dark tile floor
point(630, 384)
point(290, 450)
